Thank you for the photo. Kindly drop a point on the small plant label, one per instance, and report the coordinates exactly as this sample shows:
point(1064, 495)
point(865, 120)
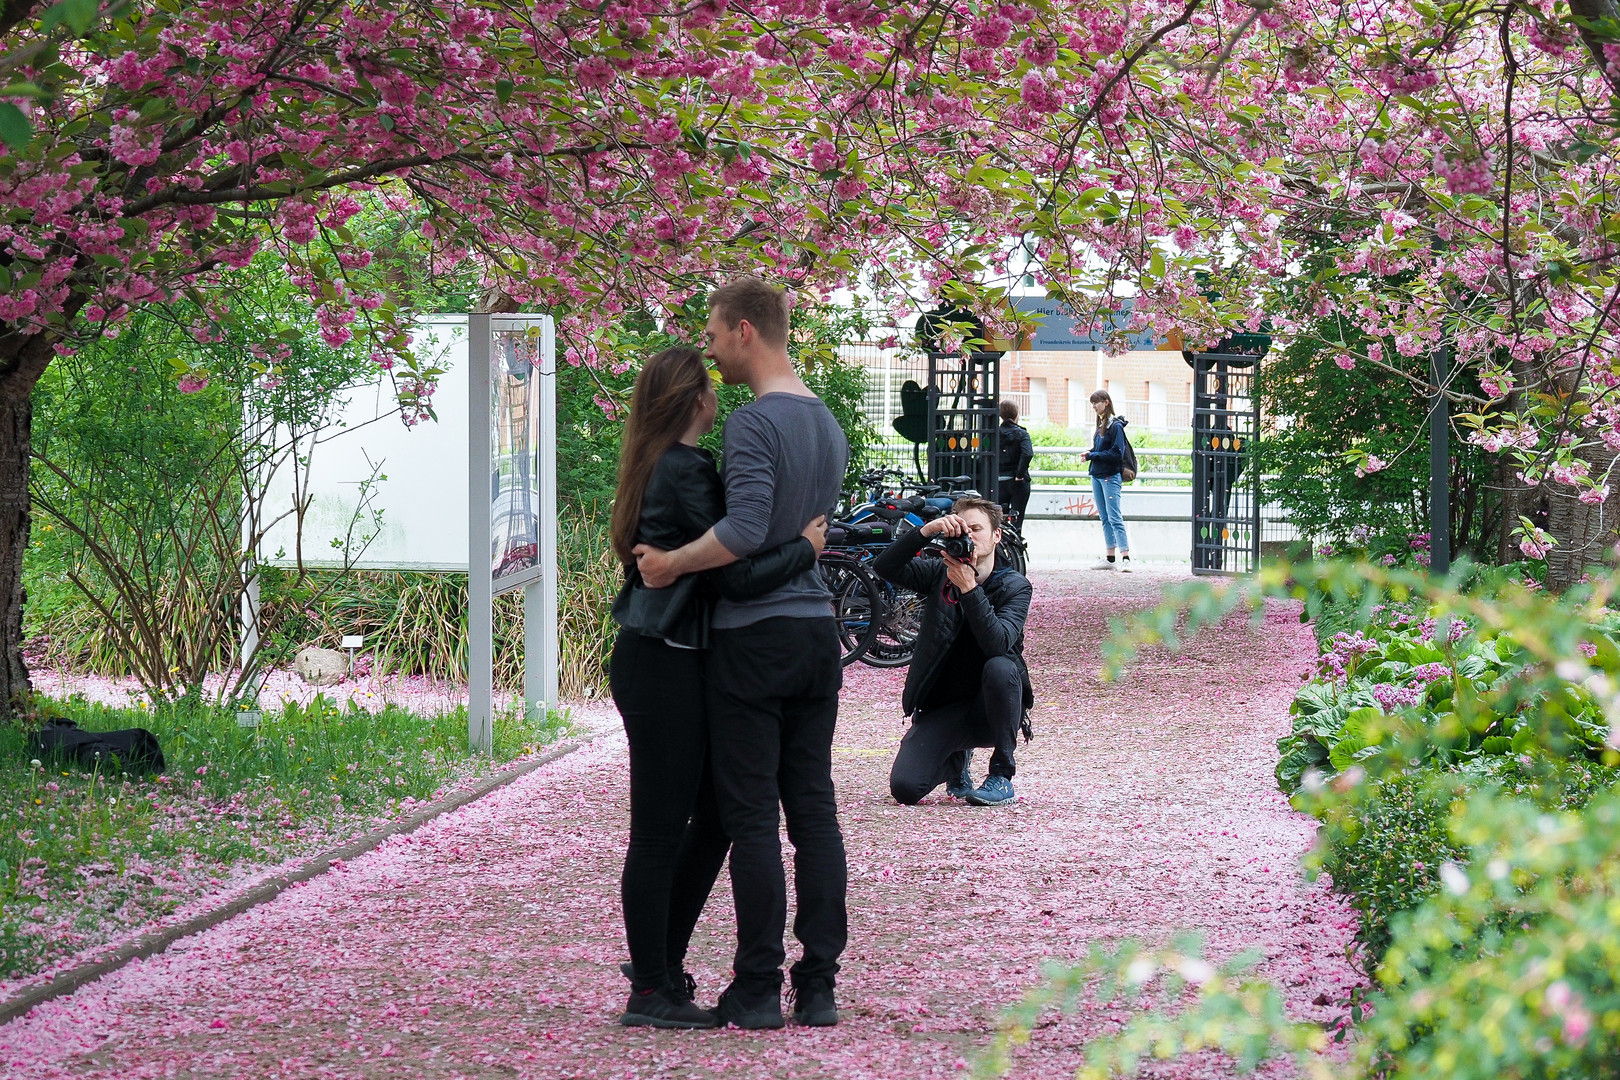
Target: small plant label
point(249, 718)
point(353, 641)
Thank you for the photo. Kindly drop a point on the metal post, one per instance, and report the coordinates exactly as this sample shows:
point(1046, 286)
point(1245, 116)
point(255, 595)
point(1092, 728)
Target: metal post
point(480, 583)
point(888, 390)
point(252, 443)
point(250, 614)
point(540, 597)
point(1440, 465)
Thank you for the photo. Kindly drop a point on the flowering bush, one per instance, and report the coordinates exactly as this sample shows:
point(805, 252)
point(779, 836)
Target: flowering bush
point(1476, 830)
point(1455, 695)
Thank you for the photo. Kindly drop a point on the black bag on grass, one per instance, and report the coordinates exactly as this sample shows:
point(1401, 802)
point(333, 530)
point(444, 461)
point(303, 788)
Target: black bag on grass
point(136, 749)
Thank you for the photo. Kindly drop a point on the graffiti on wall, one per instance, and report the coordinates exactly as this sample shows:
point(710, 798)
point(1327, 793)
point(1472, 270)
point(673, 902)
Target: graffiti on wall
point(1081, 506)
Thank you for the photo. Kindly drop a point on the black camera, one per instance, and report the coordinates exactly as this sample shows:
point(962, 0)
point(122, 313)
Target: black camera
point(959, 548)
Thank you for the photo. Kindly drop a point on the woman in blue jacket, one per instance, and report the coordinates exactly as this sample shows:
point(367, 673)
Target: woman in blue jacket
point(1107, 459)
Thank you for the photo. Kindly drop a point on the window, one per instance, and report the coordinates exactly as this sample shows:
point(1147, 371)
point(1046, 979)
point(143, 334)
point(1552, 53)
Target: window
point(1037, 400)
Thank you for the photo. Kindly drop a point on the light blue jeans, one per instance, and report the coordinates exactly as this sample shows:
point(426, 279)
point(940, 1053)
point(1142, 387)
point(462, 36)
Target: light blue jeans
point(1106, 490)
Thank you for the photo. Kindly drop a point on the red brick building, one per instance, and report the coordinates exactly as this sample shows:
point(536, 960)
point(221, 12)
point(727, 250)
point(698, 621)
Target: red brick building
point(1152, 389)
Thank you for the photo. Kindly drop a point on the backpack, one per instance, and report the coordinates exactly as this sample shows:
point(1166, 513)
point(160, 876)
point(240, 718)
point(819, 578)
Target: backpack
point(135, 749)
point(1127, 457)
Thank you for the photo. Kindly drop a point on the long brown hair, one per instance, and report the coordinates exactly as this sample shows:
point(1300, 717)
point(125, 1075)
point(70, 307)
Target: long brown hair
point(666, 394)
point(1107, 416)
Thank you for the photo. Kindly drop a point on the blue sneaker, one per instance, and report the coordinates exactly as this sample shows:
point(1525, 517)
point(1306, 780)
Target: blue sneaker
point(961, 785)
point(993, 792)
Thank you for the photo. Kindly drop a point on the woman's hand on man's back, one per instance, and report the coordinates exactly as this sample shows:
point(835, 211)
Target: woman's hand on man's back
point(816, 533)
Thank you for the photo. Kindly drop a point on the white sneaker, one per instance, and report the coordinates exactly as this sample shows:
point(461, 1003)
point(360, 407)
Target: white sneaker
point(1125, 565)
point(1106, 564)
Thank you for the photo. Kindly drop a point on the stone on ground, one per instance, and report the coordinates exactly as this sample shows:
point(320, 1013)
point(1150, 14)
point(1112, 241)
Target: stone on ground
point(321, 667)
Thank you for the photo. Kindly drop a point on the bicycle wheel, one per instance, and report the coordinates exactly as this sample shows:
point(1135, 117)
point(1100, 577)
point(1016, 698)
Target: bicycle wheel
point(855, 603)
point(897, 628)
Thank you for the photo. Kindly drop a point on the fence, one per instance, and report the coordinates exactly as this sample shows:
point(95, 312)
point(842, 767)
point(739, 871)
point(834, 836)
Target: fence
point(888, 367)
point(1061, 487)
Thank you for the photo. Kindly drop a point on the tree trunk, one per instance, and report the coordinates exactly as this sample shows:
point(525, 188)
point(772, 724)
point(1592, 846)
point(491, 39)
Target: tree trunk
point(1584, 531)
point(1590, 12)
point(23, 359)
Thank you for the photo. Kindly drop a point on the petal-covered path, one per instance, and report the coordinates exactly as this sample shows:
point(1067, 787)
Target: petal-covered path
point(487, 943)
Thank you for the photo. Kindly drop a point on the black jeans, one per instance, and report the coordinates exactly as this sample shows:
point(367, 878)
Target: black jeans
point(773, 702)
point(676, 842)
point(935, 747)
point(1015, 497)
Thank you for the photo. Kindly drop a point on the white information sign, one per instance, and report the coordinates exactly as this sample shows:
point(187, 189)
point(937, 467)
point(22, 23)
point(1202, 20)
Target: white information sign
point(420, 485)
point(379, 495)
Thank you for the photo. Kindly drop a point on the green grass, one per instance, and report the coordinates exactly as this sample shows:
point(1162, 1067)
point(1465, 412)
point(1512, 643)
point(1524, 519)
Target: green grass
point(85, 856)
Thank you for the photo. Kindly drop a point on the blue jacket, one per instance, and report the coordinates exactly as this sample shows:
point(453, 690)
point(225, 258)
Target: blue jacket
point(1108, 449)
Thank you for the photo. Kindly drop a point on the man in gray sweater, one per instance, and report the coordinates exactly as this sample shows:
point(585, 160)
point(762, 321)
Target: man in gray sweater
point(773, 670)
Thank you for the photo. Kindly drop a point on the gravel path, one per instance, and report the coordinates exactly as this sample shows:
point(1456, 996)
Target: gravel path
point(485, 945)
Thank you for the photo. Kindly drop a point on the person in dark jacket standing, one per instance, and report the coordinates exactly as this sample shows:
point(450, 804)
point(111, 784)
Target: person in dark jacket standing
point(1017, 451)
point(773, 673)
point(1106, 460)
point(670, 493)
point(968, 685)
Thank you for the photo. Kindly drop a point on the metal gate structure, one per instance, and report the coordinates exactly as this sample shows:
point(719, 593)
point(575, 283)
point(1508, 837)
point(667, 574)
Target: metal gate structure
point(964, 421)
point(1226, 486)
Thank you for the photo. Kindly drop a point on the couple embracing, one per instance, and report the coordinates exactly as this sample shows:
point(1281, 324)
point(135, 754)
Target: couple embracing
point(726, 671)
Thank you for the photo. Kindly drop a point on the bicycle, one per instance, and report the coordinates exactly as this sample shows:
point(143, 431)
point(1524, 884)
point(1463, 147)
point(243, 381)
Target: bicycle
point(857, 601)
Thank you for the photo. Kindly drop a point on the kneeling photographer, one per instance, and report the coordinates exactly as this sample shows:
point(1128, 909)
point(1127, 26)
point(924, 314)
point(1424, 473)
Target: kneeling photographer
point(968, 685)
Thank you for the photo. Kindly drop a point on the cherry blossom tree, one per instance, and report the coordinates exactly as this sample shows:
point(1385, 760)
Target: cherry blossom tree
point(1453, 163)
point(591, 157)
point(595, 158)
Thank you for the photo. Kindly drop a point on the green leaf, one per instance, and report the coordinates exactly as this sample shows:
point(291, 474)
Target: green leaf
point(78, 15)
point(503, 90)
point(15, 130)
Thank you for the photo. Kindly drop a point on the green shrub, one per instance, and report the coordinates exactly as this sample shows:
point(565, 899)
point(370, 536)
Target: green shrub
point(1487, 873)
point(1384, 855)
point(416, 623)
point(1332, 412)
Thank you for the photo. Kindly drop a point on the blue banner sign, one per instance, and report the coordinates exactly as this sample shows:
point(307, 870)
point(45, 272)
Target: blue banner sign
point(1055, 332)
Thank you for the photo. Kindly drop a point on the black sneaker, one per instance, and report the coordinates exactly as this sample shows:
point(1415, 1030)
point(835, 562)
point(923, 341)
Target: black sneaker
point(961, 784)
point(665, 1008)
point(738, 1008)
point(813, 1004)
point(683, 986)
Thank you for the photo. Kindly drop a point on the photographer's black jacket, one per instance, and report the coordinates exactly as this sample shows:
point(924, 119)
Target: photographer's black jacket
point(683, 499)
point(994, 613)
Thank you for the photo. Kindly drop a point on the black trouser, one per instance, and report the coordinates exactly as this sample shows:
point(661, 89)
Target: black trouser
point(676, 843)
point(936, 745)
point(1015, 497)
point(773, 702)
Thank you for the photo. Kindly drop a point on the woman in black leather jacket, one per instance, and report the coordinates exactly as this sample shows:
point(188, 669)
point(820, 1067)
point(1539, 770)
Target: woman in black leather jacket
point(669, 494)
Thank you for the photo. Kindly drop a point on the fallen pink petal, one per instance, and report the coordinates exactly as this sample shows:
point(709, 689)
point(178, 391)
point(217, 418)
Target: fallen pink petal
point(488, 942)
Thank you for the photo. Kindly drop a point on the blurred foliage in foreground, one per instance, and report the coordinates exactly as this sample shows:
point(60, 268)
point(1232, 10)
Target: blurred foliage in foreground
point(1504, 960)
